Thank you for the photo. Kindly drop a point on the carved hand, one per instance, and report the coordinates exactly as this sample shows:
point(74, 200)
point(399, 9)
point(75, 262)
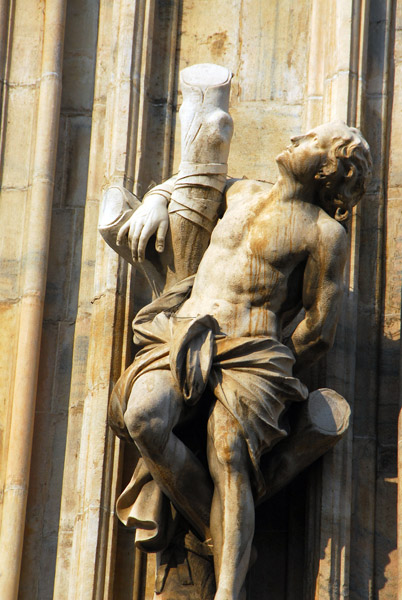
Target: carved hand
point(151, 217)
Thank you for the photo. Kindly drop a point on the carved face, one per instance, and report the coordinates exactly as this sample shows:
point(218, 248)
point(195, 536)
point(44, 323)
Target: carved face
point(308, 152)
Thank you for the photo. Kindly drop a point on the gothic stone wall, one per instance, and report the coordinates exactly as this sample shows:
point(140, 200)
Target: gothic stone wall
point(89, 97)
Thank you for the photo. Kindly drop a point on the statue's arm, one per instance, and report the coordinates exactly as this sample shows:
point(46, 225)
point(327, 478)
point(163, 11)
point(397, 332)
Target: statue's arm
point(322, 295)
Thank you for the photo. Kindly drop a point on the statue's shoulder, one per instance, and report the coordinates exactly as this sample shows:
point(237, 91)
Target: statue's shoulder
point(247, 186)
point(332, 233)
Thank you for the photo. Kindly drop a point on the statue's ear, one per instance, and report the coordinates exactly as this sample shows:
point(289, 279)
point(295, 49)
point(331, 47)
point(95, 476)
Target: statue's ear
point(341, 214)
point(328, 170)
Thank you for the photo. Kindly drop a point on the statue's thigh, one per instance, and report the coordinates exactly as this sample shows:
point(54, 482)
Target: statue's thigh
point(154, 402)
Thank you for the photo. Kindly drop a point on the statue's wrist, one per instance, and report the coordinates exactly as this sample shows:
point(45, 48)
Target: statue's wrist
point(157, 198)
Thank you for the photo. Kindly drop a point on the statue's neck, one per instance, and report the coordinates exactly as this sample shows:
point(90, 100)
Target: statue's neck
point(288, 188)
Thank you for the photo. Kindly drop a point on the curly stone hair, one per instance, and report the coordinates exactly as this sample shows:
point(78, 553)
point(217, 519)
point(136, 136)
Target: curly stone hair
point(345, 174)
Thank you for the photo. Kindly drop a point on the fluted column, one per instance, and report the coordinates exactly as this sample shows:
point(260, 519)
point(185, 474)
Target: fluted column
point(32, 301)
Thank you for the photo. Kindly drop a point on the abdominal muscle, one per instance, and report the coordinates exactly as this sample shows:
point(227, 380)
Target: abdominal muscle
point(235, 319)
point(238, 294)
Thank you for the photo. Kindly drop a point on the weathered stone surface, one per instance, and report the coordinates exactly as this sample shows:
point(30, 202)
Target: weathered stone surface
point(344, 61)
point(232, 286)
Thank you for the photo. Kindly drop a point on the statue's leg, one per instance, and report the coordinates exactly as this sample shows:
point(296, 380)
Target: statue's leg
point(232, 513)
point(154, 408)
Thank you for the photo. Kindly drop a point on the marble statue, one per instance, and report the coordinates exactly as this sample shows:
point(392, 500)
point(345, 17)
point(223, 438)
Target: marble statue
point(235, 263)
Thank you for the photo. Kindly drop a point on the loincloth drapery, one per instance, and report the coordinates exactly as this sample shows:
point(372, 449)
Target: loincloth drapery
point(250, 376)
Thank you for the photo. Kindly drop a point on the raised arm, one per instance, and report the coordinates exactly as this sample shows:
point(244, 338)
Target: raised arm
point(322, 295)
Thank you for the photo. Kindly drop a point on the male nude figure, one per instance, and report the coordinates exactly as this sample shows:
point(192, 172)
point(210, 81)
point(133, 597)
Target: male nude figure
point(274, 251)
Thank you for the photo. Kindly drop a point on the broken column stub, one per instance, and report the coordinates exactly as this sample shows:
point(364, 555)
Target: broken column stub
point(197, 197)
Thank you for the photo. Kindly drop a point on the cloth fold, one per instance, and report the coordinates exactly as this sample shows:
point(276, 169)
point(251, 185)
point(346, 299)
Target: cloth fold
point(250, 376)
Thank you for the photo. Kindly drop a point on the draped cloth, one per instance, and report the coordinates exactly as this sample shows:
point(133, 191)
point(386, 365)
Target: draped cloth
point(250, 376)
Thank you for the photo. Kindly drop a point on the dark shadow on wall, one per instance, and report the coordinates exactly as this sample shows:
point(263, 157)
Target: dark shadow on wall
point(377, 387)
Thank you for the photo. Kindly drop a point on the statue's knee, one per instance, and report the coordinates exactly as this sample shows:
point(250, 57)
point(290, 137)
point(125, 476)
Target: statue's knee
point(147, 429)
point(136, 422)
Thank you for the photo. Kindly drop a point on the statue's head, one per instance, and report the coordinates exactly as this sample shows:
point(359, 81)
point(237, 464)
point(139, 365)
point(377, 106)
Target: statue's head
point(335, 159)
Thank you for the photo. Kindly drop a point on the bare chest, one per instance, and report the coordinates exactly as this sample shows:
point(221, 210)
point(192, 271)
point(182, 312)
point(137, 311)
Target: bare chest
point(263, 240)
